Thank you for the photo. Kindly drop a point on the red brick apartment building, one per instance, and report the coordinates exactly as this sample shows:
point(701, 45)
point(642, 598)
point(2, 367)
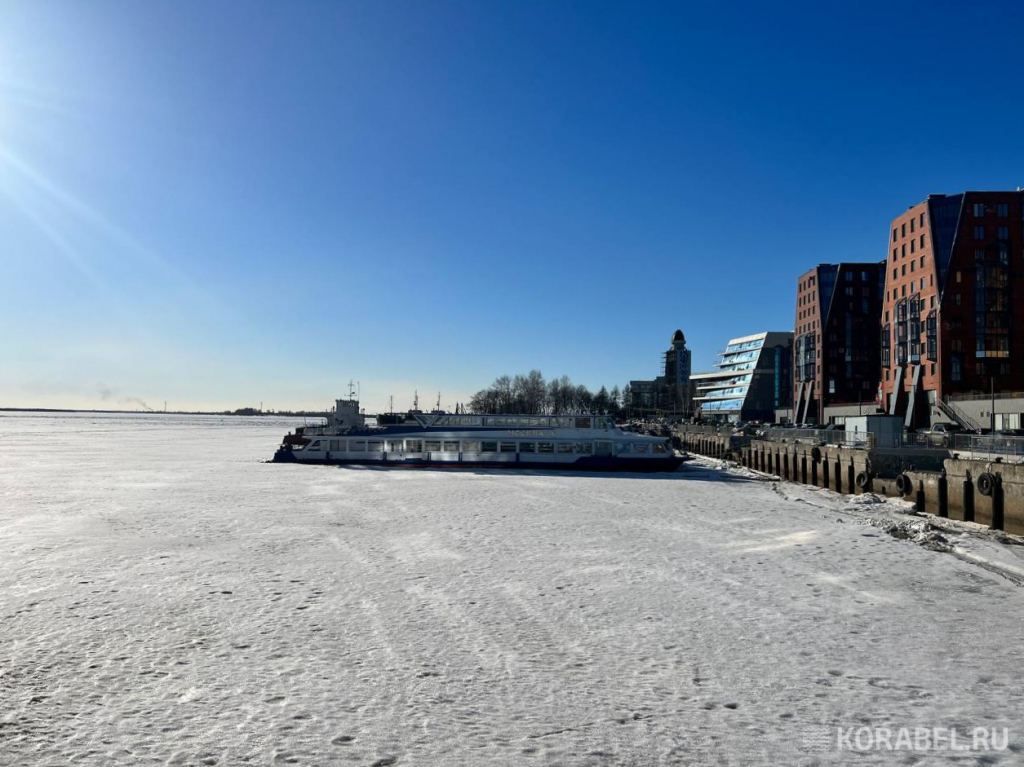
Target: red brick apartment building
point(836, 348)
point(953, 311)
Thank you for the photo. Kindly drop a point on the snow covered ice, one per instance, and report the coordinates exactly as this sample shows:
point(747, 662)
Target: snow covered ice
point(168, 597)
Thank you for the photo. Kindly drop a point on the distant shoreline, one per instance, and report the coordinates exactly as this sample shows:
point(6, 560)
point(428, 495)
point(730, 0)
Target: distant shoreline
point(289, 414)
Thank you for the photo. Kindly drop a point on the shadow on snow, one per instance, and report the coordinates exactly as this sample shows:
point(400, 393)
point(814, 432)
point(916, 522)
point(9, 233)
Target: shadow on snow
point(684, 472)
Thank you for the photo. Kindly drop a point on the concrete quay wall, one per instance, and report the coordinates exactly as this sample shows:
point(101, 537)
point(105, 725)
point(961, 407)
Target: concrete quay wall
point(990, 493)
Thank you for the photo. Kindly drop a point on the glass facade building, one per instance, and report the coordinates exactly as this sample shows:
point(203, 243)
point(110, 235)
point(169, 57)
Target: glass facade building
point(752, 380)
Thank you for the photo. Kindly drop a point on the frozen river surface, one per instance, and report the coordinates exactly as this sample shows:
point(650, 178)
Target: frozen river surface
point(166, 597)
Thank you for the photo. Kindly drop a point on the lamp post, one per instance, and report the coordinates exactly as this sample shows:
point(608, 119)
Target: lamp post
point(992, 407)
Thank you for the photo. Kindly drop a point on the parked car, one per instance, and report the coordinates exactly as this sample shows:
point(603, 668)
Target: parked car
point(941, 434)
point(942, 428)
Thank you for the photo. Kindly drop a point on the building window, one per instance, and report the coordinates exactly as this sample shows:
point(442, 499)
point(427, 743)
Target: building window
point(903, 250)
point(903, 270)
point(959, 275)
point(979, 233)
point(922, 221)
point(912, 246)
point(1003, 210)
point(894, 252)
point(903, 230)
point(894, 235)
point(913, 264)
point(922, 262)
point(956, 368)
point(911, 226)
point(922, 240)
point(1004, 233)
point(956, 299)
point(979, 209)
point(895, 274)
point(931, 334)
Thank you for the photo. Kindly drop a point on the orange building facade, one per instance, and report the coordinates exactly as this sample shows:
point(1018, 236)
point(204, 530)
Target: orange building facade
point(953, 303)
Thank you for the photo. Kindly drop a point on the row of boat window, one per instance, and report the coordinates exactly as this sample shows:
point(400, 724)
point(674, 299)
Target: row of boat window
point(481, 446)
point(520, 421)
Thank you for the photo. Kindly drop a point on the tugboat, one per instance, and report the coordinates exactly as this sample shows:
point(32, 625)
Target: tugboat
point(445, 440)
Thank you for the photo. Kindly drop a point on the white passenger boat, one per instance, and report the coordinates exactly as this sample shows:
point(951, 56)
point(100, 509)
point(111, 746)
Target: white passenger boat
point(574, 442)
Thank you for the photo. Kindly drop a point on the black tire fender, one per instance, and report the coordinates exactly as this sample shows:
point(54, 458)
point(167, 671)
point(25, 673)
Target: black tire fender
point(904, 484)
point(863, 480)
point(986, 483)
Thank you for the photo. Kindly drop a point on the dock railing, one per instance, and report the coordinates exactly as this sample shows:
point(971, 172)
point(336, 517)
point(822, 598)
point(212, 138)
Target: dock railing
point(996, 445)
point(838, 437)
point(1006, 447)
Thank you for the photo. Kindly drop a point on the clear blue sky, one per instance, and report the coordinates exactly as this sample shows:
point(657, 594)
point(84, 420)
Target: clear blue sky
point(218, 204)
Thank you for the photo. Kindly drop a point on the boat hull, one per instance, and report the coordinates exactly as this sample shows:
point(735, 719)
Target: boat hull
point(583, 463)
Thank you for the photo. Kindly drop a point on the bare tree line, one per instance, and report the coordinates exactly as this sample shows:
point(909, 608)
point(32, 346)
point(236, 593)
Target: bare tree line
point(530, 394)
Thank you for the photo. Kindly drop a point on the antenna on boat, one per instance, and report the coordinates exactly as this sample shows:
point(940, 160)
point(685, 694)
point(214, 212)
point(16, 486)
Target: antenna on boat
point(438, 401)
point(416, 400)
point(391, 404)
